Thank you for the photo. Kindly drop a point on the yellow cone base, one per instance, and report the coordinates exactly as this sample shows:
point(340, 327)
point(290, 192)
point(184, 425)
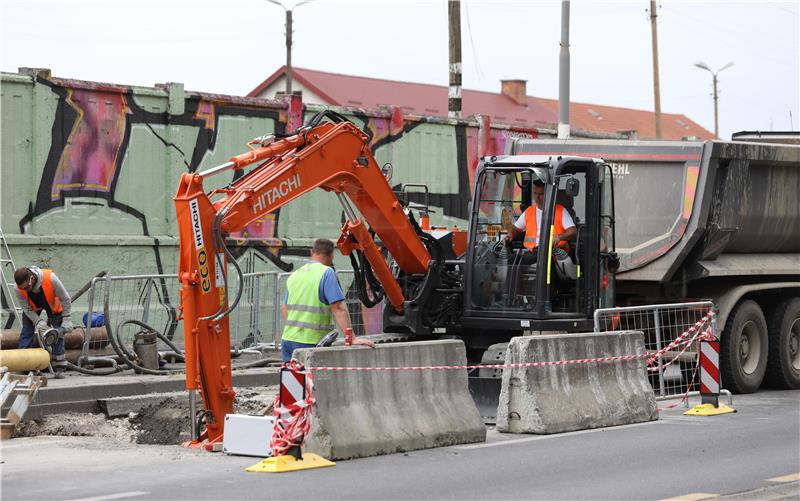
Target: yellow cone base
point(282, 464)
point(709, 410)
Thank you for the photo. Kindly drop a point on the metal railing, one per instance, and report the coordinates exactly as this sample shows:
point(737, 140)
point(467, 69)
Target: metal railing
point(661, 324)
point(256, 323)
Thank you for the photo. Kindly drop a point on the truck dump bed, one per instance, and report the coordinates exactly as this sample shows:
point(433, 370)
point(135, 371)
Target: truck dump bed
point(714, 209)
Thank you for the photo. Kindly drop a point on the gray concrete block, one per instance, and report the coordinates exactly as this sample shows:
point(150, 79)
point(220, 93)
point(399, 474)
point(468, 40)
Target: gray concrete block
point(361, 414)
point(123, 406)
point(560, 398)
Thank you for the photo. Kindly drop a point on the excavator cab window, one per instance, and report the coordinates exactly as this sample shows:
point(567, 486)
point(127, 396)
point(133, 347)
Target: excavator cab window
point(534, 286)
point(568, 281)
point(501, 197)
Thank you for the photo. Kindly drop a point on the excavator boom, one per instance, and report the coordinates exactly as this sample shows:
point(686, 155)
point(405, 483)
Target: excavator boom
point(332, 155)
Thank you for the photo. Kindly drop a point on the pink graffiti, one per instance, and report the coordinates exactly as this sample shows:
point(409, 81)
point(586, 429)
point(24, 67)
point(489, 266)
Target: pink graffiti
point(262, 231)
point(207, 113)
point(89, 158)
point(382, 128)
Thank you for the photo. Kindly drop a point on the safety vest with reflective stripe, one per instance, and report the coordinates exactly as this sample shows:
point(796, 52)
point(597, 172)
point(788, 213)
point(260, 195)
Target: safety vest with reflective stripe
point(49, 294)
point(532, 227)
point(308, 319)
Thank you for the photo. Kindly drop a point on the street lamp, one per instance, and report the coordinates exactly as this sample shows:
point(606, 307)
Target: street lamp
point(704, 66)
point(288, 11)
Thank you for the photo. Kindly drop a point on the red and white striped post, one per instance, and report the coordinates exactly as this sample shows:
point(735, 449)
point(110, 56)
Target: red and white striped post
point(709, 372)
point(292, 391)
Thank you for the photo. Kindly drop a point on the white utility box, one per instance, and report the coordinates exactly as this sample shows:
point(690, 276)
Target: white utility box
point(248, 435)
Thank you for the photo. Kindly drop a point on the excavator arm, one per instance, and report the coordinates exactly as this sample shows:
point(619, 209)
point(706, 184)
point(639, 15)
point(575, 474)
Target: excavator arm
point(332, 155)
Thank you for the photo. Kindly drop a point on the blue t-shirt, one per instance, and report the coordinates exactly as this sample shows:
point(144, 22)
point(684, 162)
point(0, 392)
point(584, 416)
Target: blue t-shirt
point(329, 289)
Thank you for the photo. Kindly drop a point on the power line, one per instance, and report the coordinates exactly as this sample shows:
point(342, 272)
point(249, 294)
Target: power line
point(735, 30)
point(472, 42)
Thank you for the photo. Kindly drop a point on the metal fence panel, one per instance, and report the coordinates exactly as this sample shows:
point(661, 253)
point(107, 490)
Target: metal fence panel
point(255, 323)
point(661, 325)
point(155, 301)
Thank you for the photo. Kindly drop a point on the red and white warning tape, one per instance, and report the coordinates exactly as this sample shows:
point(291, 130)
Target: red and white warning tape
point(679, 341)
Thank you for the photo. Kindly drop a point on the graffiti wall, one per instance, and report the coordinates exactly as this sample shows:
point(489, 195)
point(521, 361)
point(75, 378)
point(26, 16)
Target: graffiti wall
point(89, 171)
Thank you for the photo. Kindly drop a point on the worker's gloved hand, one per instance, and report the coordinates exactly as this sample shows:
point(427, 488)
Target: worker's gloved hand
point(66, 325)
point(41, 326)
point(363, 341)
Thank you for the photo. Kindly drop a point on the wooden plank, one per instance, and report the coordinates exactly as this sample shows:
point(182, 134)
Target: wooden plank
point(7, 390)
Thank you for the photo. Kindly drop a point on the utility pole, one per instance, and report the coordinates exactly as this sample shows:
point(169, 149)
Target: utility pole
point(288, 41)
point(288, 52)
point(656, 85)
point(563, 74)
point(716, 107)
point(454, 91)
point(704, 66)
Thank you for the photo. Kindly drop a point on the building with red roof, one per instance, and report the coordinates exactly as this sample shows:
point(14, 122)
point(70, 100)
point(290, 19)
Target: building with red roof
point(512, 106)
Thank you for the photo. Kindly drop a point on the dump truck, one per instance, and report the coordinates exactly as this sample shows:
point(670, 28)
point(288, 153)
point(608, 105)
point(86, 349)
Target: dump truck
point(716, 220)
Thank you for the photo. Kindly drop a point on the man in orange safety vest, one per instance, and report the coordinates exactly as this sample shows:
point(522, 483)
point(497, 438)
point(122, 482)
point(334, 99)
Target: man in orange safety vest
point(531, 223)
point(40, 290)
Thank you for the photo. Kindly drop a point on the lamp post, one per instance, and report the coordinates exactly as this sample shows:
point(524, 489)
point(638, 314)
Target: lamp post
point(714, 74)
point(288, 41)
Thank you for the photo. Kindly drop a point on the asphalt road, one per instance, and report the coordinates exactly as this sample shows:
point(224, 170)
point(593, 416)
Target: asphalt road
point(755, 451)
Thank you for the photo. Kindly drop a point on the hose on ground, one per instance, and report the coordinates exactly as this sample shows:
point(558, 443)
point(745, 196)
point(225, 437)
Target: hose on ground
point(106, 371)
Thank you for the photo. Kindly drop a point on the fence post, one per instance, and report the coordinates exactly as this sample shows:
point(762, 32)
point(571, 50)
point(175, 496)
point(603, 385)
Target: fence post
point(146, 306)
point(87, 333)
point(657, 323)
point(276, 332)
point(255, 310)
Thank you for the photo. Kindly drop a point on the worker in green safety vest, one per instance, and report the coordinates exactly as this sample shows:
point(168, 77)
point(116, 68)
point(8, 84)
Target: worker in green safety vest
point(313, 299)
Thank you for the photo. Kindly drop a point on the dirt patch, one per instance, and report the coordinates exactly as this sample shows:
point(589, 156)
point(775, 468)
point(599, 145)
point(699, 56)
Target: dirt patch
point(165, 422)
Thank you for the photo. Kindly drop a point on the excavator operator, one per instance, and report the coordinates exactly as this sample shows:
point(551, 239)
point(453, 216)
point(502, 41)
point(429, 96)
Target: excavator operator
point(530, 222)
point(313, 299)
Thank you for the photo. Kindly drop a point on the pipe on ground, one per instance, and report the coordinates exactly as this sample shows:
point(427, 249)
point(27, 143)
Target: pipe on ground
point(9, 339)
point(30, 359)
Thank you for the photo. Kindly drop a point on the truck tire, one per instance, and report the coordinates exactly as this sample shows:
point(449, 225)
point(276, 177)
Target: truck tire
point(783, 365)
point(743, 350)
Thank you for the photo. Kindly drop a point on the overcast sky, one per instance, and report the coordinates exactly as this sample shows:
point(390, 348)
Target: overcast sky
point(230, 46)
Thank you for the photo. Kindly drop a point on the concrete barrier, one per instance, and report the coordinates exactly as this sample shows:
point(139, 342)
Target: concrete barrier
point(361, 414)
point(560, 398)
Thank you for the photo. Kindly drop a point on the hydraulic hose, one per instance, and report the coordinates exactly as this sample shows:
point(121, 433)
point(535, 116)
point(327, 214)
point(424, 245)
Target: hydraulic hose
point(329, 114)
point(362, 274)
point(219, 241)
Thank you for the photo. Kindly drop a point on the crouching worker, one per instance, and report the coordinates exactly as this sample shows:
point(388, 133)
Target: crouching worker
point(313, 299)
point(41, 290)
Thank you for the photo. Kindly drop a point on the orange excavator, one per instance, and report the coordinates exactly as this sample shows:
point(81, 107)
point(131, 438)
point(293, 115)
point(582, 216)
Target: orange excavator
point(469, 285)
point(329, 153)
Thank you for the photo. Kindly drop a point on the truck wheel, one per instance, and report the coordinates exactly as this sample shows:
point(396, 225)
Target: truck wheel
point(783, 366)
point(743, 351)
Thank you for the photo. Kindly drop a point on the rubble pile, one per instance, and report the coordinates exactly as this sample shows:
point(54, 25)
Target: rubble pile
point(164, 423)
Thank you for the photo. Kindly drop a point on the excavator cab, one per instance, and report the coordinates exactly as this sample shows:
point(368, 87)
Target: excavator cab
point(511, 288)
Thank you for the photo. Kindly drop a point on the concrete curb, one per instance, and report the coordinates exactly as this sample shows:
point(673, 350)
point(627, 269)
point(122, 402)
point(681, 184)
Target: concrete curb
point(361, 414)
point(79, 393)
point(560, 398)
